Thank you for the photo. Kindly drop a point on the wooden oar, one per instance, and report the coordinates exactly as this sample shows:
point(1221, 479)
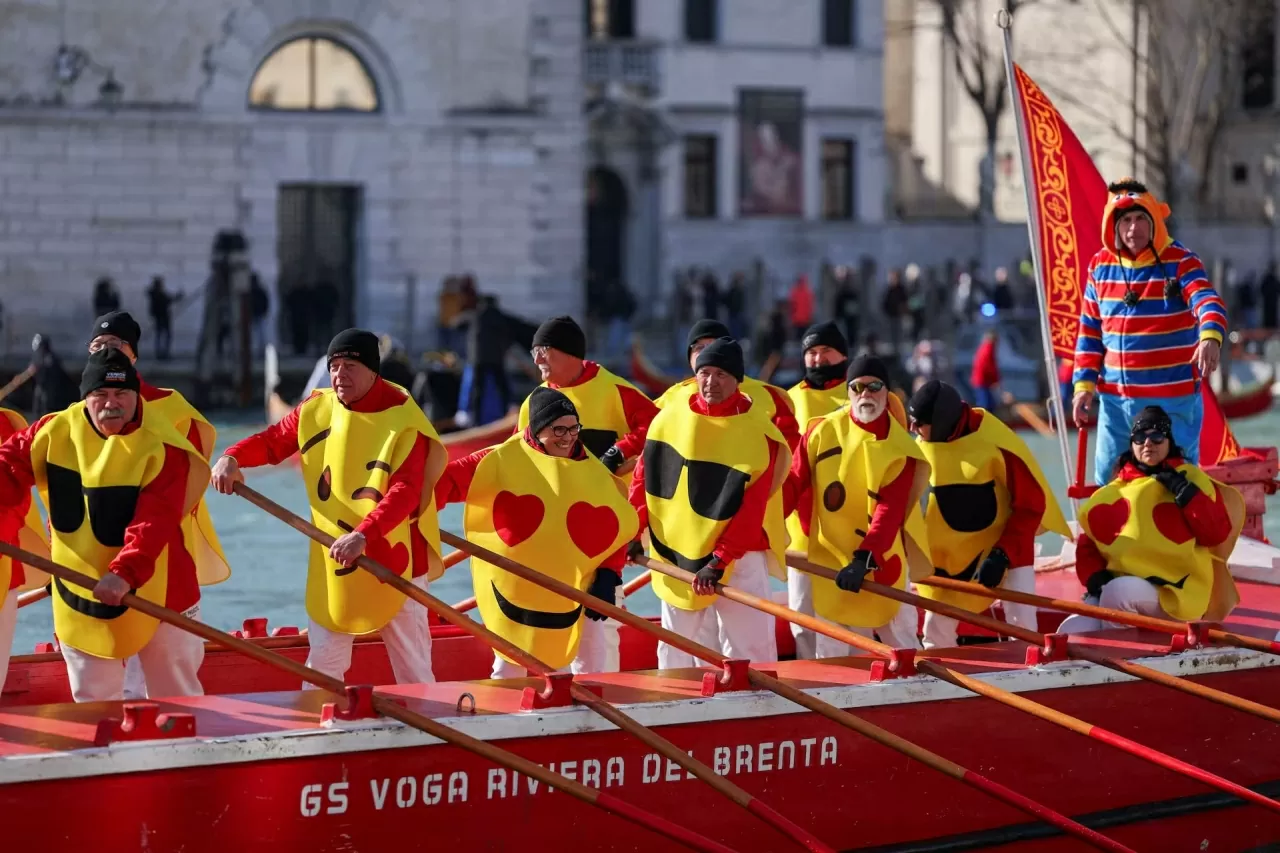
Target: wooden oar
point(1145, 673)
point(580, 693)
point(31, 596)
point(388, 708)
point(812, 703)
point(1108, 614)
point(16, 382)
point(980, 687)
point(1033, 419)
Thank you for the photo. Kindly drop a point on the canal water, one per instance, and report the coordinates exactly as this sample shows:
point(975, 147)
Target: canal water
point(269, 560)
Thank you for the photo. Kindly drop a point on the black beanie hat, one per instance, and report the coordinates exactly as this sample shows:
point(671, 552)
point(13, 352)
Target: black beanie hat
point(564, 334)
point(357, 345)
point(724, 353)
point(120, 324)
point(937, 405)
point(1152, 418)
point(108, 368)
point(546, 406)
point(705, 329)
point(826, 334)
point(866, 365)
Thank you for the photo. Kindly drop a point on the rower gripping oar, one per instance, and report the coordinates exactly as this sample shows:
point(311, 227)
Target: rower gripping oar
point(1035, 638)
point(1109, 614)
point(793, 694)
point(529, 662)
point(982, 688)
point(388, 708)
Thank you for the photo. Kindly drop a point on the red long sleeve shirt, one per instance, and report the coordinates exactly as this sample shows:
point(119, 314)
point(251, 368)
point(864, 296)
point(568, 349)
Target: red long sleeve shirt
point(455, 483)
point(638, 409)
point(157, 516)
point(1207, 518)
point(11, 521)
point(986, 372)
point(1026, 499)
point(891, 506)
point(784, 417)
point(745, 531)
point(404, 488)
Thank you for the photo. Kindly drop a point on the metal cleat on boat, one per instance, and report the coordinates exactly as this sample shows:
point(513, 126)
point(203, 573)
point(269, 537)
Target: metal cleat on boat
point(143, 721)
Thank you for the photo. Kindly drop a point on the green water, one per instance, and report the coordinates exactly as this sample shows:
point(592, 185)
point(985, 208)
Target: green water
point(268, 559)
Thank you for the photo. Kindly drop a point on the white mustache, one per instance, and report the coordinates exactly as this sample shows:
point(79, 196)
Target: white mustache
point(111, 413)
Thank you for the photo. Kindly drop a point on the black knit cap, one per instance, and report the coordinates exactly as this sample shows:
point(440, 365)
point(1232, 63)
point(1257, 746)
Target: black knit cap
point(1152, 418)
point(866, 365)
point(357, 345)
point(938, 406)
point(705, 329)
point(120, 324)
point(546, 406)
point(826, 334)
point(562, 333)
point(724, 353)
point(108, 368)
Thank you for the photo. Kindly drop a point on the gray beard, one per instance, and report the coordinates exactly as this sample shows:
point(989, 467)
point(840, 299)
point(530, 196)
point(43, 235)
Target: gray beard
point(865, 413)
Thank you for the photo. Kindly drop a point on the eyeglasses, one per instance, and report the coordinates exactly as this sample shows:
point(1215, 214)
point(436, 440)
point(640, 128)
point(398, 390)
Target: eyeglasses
point(562, 431)
point(874, 386)
point(1154, 436)
point(538, 351)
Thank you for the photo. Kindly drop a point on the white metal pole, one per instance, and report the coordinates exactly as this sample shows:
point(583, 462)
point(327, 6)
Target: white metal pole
point(1005, 21)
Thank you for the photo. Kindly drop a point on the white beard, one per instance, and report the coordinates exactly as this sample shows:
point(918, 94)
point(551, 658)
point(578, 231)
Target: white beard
point(866, 411)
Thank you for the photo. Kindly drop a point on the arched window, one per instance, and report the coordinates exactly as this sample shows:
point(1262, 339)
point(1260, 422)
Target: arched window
point(313, 74)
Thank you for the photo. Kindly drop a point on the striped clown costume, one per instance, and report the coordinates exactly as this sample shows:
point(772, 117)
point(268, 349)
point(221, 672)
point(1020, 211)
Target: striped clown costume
point(1141, 320)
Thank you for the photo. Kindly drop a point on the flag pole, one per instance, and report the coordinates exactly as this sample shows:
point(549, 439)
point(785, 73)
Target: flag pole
point(1005, 21)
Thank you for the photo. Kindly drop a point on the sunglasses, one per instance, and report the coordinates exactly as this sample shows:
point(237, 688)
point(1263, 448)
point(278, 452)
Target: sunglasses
point(1153, 436)
point(874, 386)
point(562, 431)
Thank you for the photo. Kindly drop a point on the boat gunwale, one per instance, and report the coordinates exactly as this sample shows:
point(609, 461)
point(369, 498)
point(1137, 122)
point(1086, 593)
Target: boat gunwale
point(201, 751)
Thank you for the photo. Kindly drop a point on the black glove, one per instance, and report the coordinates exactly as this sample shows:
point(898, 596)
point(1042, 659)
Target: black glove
point(1093, 586)
point(992, 570)
point(1182, 489)
point(711, 573)
point(613, 459)
point(635, 551)
point(851, 576)
point(604, 585)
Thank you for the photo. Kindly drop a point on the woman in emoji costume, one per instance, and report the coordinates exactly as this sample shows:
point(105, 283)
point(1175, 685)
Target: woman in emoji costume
point(1155, 540)
point(542, 500)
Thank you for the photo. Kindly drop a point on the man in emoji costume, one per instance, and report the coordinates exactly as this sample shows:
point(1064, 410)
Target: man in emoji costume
point(1155, 540)
point(860, 476)
point(118, 330)
point(541, 499)
point(819, 393)
point(615, 414)
point(988, 500)
point(708, 488)
point(117, 485)
point(370, 459)
point(19, 526)
point(771, 400)
point(1151, 328)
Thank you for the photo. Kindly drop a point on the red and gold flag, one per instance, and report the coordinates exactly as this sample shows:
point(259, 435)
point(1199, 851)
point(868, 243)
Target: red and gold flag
point(1068, 196)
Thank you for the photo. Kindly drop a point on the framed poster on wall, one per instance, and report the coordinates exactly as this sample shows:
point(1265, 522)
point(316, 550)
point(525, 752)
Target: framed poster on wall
point(771, 131)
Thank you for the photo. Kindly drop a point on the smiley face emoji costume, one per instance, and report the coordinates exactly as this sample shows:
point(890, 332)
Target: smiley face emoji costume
point(32, 535)
point(559, 516)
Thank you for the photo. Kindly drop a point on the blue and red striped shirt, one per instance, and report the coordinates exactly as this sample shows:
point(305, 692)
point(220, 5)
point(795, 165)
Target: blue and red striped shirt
point(1145, 350)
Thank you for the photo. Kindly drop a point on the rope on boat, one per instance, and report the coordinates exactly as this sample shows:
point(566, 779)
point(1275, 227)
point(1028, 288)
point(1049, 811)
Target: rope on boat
point(389, 708)
point(580, 693)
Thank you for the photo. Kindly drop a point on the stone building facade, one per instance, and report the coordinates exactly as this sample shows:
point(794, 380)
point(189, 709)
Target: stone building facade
point(129, 163)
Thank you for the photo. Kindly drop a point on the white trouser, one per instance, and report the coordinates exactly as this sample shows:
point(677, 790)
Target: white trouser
point(170, 661)
point(597, 652)
point(1123, 592)
point(135, 683)
point(940, 631)
point(800, 598)
point(8, 624)
point(744, 633)
point(407, 639)
point(900, 632)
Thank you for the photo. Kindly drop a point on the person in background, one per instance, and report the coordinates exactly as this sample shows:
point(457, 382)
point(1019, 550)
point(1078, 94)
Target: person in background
point(485, 395)
point(160, 306)
point(848, 302)
point(1164, 554)
point(916, 301)
point(1002, 291)
point(1151, 328)
point(105, 296)
point(52, 387)
point(1246, 296)
point(984, 378)
point(259, 311)
point(894, 306)
point(801, 305)
point(1269, 292)
point(448, 308)
point(735, 307)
